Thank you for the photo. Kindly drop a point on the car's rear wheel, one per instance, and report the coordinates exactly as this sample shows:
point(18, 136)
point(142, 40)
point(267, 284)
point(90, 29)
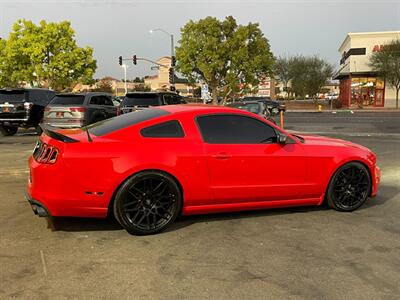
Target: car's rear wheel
point(147, 202)
point(8, 130)
point(349, 187)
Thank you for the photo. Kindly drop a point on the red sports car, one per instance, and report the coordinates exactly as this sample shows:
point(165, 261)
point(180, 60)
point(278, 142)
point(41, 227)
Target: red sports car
point(149, 166)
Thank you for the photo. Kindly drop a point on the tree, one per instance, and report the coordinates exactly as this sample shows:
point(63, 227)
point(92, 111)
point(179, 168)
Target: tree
point(228, 57)
point(45, 55)
point(387, 63)
point(104, 85)
point(284, 72)
point(309, 75)
point(138, 79)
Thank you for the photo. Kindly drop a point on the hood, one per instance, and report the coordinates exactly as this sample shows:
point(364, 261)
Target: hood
point(327, 141)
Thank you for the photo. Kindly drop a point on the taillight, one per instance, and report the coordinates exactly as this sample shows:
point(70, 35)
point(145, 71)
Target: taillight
point(77, 109)
point(45, 154)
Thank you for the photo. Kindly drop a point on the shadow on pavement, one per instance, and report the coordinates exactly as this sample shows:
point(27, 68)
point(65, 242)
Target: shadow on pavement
point(110, 224)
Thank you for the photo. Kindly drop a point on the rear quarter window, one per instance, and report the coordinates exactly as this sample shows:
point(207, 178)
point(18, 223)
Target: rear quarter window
point(169, 129)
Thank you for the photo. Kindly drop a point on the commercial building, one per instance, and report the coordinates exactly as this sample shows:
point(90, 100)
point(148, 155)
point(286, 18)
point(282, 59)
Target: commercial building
point(360, 86)
point(161, 82)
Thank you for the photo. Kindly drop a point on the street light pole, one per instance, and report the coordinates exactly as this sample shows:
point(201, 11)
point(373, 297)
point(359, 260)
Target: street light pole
point(172, 50)
point(124, 67)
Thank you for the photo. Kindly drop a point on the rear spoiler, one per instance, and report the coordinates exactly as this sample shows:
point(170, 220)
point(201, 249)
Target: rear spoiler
point(50, 131)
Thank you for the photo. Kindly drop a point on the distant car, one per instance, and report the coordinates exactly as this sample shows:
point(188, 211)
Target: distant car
point(139, 100)
point(275, 107)
point(77, 110)
point(256, 107)
point(22, 108)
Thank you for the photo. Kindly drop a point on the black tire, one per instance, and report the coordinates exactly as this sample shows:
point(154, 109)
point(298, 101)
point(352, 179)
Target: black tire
point(147, 203)
point(349, 187)
point(8, 130)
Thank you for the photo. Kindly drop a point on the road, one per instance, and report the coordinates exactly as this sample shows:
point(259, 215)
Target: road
point(296, 253)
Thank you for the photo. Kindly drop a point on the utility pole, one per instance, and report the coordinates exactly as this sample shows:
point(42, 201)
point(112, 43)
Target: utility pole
point(172, 68)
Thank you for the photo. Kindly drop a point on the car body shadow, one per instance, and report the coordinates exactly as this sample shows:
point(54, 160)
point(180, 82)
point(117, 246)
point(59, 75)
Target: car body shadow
point(73, 224)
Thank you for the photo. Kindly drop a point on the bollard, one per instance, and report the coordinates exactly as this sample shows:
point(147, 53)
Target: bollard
point(281, 119)
point(319, 107)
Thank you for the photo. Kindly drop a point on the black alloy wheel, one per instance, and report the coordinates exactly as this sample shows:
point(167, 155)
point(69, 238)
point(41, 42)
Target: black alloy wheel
point(147, 203)
point(349, 187)
point(8, 130)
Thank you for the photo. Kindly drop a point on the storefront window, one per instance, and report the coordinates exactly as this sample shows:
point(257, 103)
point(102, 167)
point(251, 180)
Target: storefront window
point(364, 91)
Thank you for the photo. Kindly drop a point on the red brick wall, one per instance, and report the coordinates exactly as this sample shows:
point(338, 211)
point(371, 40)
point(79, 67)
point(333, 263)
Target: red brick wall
point(345, 91)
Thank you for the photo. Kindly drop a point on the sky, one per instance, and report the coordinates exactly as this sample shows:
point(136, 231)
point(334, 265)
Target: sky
point(122, 27)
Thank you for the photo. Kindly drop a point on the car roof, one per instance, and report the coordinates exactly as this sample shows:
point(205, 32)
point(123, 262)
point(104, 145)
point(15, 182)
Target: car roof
point(83, 94)
point(151, 93)
point(194, 108)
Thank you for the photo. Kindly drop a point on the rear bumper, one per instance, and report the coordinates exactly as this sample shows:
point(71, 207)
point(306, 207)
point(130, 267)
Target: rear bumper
point(52, 190)
point(38, 208)
point(72, 123)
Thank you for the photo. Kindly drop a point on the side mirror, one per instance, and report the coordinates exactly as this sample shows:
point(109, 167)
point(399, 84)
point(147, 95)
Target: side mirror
point(282, 138)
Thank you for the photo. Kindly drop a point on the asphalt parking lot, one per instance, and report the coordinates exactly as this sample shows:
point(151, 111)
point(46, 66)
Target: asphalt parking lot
point(297, 253)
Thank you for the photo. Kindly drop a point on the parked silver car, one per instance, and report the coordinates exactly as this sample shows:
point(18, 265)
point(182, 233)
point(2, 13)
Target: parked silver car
point(77, 110)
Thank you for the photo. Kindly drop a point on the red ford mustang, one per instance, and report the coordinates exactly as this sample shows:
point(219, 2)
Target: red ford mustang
point(149, 166)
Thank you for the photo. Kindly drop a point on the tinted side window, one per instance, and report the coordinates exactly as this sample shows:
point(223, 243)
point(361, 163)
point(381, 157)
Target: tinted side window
point(234, 129)
point(170, 129)
point(96, 100)
point(108, 101)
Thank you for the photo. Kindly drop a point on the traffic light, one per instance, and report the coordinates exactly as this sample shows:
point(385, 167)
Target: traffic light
point(171, 75)
point(134, 60)
point(120, 60)
point(173, 61)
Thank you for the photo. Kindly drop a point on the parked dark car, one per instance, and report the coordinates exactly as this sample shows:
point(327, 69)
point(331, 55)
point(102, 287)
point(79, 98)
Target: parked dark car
point(139, 100)
point(256, 107)
point(22, 108)
point(275, 107)
point(78, 110)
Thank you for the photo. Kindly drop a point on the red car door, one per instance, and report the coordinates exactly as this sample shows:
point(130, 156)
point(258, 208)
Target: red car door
point(247, 164)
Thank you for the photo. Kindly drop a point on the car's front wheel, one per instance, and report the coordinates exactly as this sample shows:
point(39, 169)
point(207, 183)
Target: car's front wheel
point(147, 202)
point(8, 130)
point(349, 187)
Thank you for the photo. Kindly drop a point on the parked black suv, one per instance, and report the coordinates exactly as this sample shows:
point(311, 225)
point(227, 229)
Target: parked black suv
point(22, 108)
point(77, 110)
point(139, 100)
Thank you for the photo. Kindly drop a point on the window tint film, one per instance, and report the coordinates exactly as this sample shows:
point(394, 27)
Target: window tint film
point(122, 121)
point(170, 129)
point(234, 129)
point(12, 96)
point(144, 99)
point(68, 100)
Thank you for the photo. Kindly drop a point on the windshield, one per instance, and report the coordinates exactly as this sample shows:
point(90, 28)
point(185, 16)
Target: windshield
point(68, 100)
point(251, 107)
point(141, 100)
point(122, 121)
point(12, 96)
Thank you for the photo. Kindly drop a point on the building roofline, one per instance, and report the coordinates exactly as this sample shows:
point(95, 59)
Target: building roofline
point(349, 34)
